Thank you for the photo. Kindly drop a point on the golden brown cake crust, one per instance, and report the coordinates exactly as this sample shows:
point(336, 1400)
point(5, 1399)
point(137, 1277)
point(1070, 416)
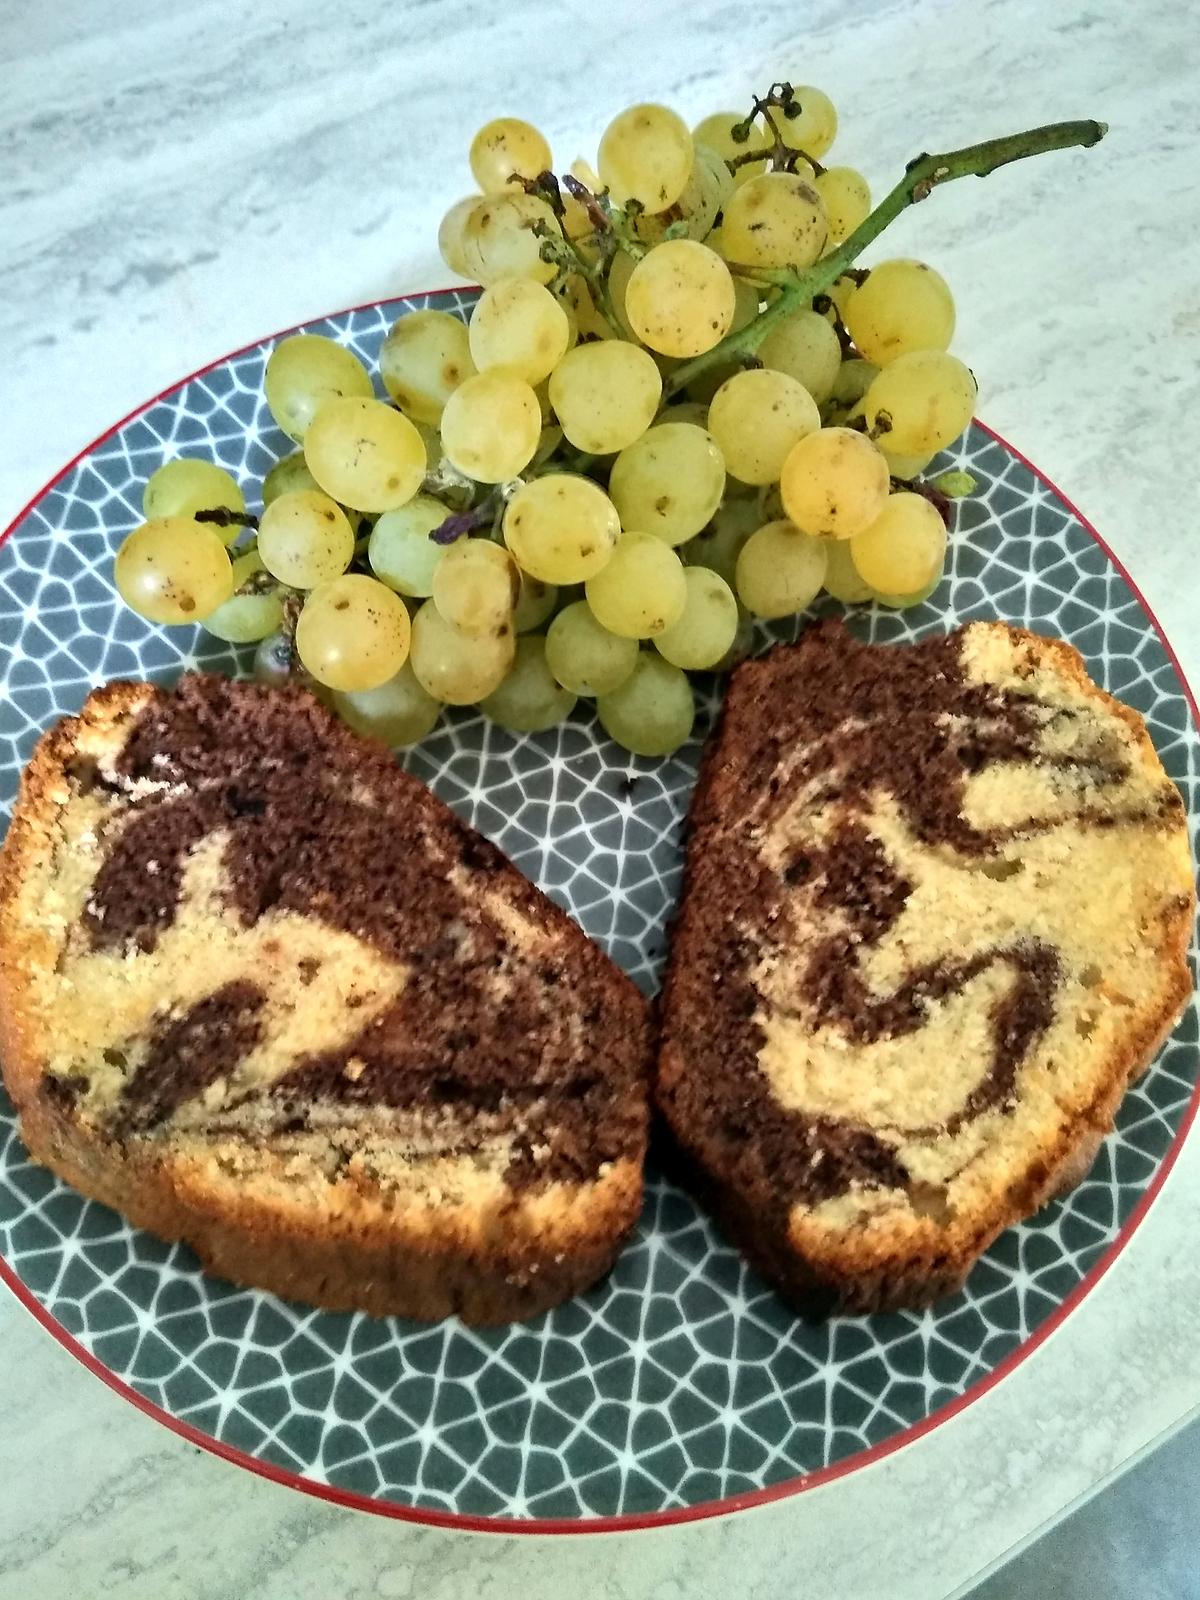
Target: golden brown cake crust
point(911, 1203)
point(461, 1242)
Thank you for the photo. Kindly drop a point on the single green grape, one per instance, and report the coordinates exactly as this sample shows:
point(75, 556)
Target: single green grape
point(780, 570)
point(398, 712)
point(814, 126)
point(508, 148)
point(529, 700)
point(847, 197)
point(904, 548)
point(806, 347)
point(680, 298)
point(641, 590)
point(353, 633)
point(707, 626)
point(904, 305)
point(400, 551)
point(605, 394)
point(519, 325)
point(305, 539)
point(925, 398)
point(646, 154)
point(246, 618)
point(653, 711)
point(454, 667)
point(561, 528)
point(476, 586)
point(365, 454)
point(173, 570)
point(584, 656)
point(669, 482)
point(834, 483)
point(182, 487)
point(306, 370)
point(775, 220)
point(491, 426)
point(756, 417)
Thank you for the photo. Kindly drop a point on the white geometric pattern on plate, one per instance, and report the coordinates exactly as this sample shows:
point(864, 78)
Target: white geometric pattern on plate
point(681, 1380)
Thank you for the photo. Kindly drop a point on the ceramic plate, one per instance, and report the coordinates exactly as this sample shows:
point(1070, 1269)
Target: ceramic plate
point(680, 1386)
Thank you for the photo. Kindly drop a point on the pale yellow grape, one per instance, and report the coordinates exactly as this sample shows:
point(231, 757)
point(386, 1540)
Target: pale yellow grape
point(491, 426)
point(451, 241)
point(173, 570)
point(927, 397)
point(353, 633)
point(585, 656)
point(842, 578)
point(365, 454)
point(561, 528)
point(423, 360)
point(839, 293)
point(475, 586)
point(400, 551)
point(805, 347)
point(776, 220)
point(529, 700)
point(814, 128)
point(669, 482)
point(652, 712)
point(605, 395)
point(305, 539)
point(303, 373)
point(451, 665)
point(703, 633)
point(716, 131)
point(536, 602)
point(181, 488)
point(285, 476)
point(853, 379)
point(680, 298)
point(642, 589)
point(906, 466)
point(498, 240)
point(246, 618)
point(719, 544)
point(646, 155)
point(508, 148)
point(847, 197)
point(519, 325)
point(756, 417)
point(903, 305)
point(834, 483)
point(780, 570)
point(398, 712)
point(904, 548)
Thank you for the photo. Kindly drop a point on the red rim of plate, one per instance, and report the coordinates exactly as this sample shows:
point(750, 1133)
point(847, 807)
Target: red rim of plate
point(639, 1520)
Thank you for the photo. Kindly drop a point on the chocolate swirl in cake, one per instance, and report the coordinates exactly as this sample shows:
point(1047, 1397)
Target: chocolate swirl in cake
point(786, 850)
point(479, 1031)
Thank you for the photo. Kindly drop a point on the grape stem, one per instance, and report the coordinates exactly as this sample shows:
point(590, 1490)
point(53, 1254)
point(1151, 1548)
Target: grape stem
point(922, 175)
point(222, 517)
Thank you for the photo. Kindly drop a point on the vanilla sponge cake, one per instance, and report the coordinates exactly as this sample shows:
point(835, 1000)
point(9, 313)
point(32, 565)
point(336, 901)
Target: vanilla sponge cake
point(262, 991)
point(937, 905)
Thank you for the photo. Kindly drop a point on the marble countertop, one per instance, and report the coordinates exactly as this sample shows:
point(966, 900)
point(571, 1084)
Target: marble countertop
point(176, 181)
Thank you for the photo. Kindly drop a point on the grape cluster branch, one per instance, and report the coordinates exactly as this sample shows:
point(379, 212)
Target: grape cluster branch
point(922, 175)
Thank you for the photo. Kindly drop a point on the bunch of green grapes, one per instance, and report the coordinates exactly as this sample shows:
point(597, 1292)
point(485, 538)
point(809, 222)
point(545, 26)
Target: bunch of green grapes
point(643, 438)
